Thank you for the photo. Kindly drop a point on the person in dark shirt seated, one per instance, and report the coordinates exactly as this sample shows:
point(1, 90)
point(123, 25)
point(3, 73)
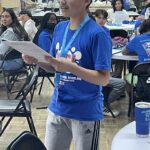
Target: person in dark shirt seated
point(43, 37)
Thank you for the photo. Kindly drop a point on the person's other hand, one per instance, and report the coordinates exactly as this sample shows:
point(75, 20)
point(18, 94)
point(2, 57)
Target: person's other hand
point(29, 60)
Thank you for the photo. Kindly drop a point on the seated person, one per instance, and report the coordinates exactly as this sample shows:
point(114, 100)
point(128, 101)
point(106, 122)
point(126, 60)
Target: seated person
point(126, 4)
point(117, 84)
point(13, 31)
point(25, 18)
point(141, 46)
point(117, 7)
point(137, 25)
point(101, 18)
point(43, 37)
point(142, 14)
point(117, 90)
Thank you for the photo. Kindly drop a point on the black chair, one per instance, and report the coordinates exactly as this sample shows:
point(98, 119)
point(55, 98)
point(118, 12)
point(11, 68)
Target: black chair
point(43, 74)
point(20, 106)
point(106, 91)
point(26, 141)
point(121, 33)
point(10, 76)
point(140, 91)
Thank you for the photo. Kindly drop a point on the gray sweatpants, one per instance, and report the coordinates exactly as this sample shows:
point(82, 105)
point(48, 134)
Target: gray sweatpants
point(60, 131)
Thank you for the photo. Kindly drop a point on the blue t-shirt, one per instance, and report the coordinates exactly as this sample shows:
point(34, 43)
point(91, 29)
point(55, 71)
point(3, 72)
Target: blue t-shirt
point(143, 12)
point(92, 49)
point(106, 30)
point(140, 45)
point(138, 23)
point(45, 40)
point(126, 4)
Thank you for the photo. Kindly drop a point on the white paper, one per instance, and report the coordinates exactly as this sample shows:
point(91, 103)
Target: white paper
point(28, 48)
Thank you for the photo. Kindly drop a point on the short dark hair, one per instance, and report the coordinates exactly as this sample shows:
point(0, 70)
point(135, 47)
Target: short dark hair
point(102, 12)
point(145, 26)
point(23, 12)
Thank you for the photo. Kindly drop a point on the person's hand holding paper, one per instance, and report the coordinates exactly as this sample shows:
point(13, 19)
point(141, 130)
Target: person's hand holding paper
point(31, 53)
point(60, 64)
point(28, 48)
point(29, 59)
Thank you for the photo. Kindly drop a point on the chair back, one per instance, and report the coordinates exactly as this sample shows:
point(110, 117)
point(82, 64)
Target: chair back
point(27, 88)
point(142, 71)
point(43, 73)
point(119, 38)
point(12, 54)
point(26, 141)
point(31, 80)
point(118, 33)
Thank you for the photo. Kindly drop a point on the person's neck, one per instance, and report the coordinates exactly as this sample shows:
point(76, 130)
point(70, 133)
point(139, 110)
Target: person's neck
point(75, 21)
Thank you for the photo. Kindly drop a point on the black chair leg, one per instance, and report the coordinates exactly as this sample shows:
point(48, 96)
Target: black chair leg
point(5, 126)
point(6, 86)
point(32, 92)
point(31, 125)
point(109, 109)
point(41, 86)
point(50, 81)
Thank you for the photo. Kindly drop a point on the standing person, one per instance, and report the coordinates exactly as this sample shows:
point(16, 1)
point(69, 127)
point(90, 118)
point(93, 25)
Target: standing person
point(26, 21)
point(13, 31)
point(43, 37)
point(83, 61)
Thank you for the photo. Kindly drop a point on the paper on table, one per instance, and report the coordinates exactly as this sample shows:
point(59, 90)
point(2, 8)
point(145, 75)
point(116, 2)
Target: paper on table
point(28, 48)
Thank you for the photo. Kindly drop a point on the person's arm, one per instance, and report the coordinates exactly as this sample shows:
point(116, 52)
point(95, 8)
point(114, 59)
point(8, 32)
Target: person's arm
point(125, 52)
point(7, 35)
point(31, 60)
point(131, 48)
point(98, 77)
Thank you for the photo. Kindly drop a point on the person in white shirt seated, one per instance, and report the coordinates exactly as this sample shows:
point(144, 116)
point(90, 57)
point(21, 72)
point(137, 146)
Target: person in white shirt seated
point(26, 21)
point(117, 7)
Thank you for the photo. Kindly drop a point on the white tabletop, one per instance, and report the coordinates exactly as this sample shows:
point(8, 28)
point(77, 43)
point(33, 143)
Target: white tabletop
point(127, 27)
point(119, 56)
point(126, 139)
